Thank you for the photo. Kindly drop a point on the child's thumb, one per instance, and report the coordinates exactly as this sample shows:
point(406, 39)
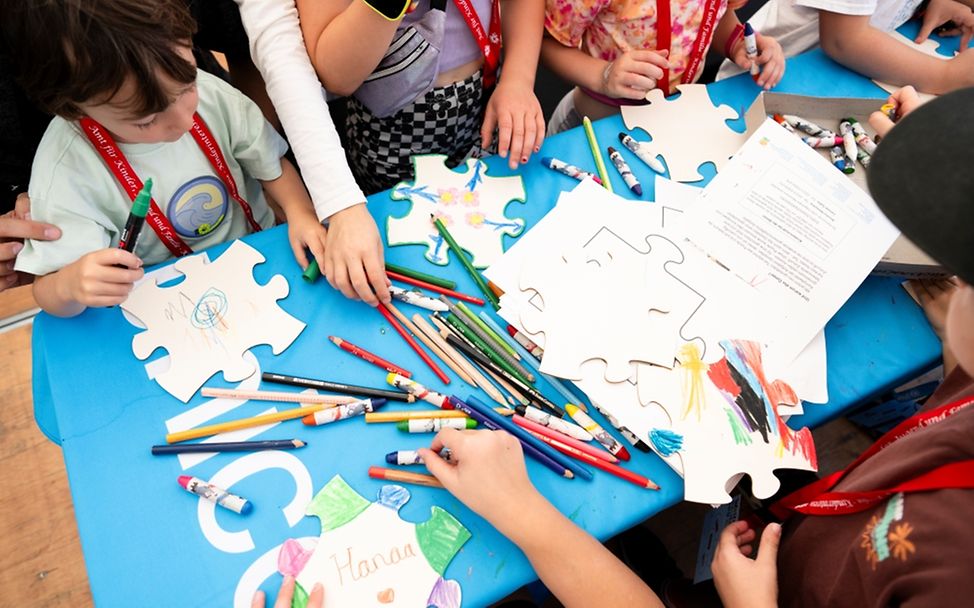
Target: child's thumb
point(437, 466)
point(768, 550)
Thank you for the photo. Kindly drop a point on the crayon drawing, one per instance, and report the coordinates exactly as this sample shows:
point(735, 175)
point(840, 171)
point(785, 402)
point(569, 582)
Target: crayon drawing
point(368, 556)
point(210, 319)
point(470, 204)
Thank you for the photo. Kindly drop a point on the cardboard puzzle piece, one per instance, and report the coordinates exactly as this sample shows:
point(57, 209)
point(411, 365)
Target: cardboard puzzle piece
point(687, 131)
point(368, 556)
point(471, 205)
point(210, 319)
point(608, 300)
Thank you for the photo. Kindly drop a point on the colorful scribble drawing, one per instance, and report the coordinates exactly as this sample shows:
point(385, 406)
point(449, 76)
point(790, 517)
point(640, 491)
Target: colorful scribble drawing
point(887, 534)
point(368, 556)
point(470, 204)
point(209, 320)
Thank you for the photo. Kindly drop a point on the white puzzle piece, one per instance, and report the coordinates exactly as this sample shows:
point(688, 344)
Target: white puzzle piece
point(687, 131)
point(211, 319)
point(471, 205)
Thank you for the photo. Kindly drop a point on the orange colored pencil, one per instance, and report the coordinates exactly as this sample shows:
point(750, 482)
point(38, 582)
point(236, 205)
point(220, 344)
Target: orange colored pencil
point(404, 476)
point(368, 357)
point(412, 343)
point(608, 467)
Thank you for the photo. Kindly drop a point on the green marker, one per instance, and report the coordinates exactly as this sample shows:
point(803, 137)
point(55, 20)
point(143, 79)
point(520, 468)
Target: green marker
point(433, 425)
point(133, 226)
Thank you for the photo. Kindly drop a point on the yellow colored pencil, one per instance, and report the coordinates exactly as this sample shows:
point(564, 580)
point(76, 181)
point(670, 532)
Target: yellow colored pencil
point(596, 153)
point(404, 476)
point(245, 423)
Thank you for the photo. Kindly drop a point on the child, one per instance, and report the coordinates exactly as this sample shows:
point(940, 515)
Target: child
point(615, 51)
point(121, 80)
point(420, 79)
point(854, 33)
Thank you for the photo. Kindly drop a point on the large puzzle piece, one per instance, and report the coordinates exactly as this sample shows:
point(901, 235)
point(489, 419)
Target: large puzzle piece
point(210, 319)
point(607, 300)
point(687, 131)
point(470, 204)
point(368, 556)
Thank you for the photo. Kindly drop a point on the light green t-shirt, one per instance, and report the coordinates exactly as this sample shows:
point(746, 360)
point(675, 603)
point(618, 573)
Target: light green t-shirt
point(72, 188)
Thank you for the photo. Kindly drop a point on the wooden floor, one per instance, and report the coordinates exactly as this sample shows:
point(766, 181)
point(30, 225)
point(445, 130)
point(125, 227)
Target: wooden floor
point(40, 556)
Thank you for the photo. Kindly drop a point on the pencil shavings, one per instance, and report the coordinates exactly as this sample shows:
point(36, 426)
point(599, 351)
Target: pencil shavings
point(687, 131)
point(210, 319)
point(368, 556)
point(608, 300)
point(471, 205)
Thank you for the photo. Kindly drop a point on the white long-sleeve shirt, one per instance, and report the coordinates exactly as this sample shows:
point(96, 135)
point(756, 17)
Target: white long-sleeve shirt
point(278, 51)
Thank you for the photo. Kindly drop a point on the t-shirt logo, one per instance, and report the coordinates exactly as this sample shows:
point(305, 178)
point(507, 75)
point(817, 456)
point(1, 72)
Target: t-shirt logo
point(198, 206)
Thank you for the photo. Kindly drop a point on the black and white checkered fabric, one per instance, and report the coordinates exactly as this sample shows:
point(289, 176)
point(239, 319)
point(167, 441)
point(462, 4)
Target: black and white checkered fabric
point(446, 120)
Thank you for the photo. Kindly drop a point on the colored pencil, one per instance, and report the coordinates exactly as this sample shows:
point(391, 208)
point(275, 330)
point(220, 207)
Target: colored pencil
point(422, 337)
point(416, 298)
point(545, 458)
point(233, 446)
point(453, 359)
point(593, 144)
point(379, 417)
point(536, 351)
point(608, 467)
point(421, 276)
point(516, 397)
point(243, 423)
point(462, 257)
point(368, 357)
point(434, 288)
point(471, 336)
point(534, 427)
point(595, 429)
point(491, 334)
point(326, 385)
point(280, 396)
point(404, 476)
point(481, 380)
point(384, 310)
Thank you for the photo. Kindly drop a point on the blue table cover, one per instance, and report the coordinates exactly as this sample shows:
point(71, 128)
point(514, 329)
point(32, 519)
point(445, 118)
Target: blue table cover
point(140, 532)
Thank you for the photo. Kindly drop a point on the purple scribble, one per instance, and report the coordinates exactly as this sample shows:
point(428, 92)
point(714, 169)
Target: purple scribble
point(445, 594)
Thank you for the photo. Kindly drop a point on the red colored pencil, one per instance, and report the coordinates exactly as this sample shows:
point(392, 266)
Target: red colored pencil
point(447, 292)
point(551, 433)
point(608, 467)
point(368, 357)
point(412, 343)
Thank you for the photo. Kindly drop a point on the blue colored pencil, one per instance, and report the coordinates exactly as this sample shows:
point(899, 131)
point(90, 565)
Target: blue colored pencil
point(527, 438)
point(539, 455)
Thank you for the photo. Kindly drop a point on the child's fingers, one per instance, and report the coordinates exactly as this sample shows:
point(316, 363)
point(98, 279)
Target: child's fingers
point(540, 132)
point(880, 123)
point(640, 83)
point(317, 597)
point(259, 600)
point(286, 593)
point(487, 129)
point(530, 135)
point(339, 279)
point(505, 125)
point(360, 283)
point(965, 37)
point(518, 131)
point(658, 58)
point(297, 247)
point(377, 278)
point(644, 68)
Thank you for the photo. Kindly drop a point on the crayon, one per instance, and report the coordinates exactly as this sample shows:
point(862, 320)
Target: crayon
point(404, 477)
point(823, 142)
point(368, 357)
point(751, 48)
point(398, 321)
point(434, 425)
point(849, 146)
point(598, 463)
point(570, 170)
point(593, 145)
point(129, 238)
point(326, 385)
point(600, 434)
point(434, 288)
point(243, 395)
point(419, 391)
point(462, 257)
point(312, 272)
point(408, 457)
point(230, 446)
point(807, 126)
point(778, 118)
point(545, 419)
point(538, 429)
point(641, 153)
point(212, 493)
point(890, 110)
point(862, 138)
point(838, 158)
point(863, 158)
point(341, 412)
point(422, 276)
point(415, 298)
point(536, 351)
point(623, 168)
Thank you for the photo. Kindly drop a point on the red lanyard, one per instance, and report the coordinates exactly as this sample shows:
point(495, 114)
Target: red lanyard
point(105, 145)
point(490, 44)
point(818, 499)
point(705, 34)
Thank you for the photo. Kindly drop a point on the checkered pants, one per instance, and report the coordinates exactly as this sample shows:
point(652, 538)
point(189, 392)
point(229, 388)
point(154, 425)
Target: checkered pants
point(446, 120)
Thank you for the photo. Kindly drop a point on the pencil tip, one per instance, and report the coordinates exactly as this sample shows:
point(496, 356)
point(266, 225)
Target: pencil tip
point(298, 443)
point(569, 474)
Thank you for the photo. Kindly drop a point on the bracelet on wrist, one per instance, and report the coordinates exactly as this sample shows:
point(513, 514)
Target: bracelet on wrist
point(736, 35)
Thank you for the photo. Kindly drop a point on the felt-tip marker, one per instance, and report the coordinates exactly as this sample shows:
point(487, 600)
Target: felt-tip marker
point(133, 226)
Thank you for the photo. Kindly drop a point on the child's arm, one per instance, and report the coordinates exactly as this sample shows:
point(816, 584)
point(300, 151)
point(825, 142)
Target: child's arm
point(513, 108)
point(630, 76)
point(303, 228)
point(489, 476)
point(346, 39)
point(851, 41)
point(94, 280)
point(771, 58)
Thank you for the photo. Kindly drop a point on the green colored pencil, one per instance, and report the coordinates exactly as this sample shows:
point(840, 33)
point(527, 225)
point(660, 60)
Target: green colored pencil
point(421, 276)
point(596, 153)
point(497, 340)
point(485, 348)
point(452, 244)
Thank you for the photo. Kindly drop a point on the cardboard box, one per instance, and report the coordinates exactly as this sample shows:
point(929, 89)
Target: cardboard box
point(903, 257)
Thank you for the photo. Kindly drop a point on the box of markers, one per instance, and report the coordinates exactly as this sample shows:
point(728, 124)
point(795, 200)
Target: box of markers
point(903, 257)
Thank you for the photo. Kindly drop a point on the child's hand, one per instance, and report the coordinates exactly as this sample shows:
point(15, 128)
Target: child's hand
point(771, 60)
point(959, 71)
point(905, 99)
point(304, 231)
point(939, 12)
point(633, 74)
point(354, 263)
point(516, 113)
point(286, 592)
point(740, 580)
point(15, 226)
point(96, 279)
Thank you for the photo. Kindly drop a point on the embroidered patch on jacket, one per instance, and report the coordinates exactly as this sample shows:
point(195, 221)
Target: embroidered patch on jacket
point(888, 534)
